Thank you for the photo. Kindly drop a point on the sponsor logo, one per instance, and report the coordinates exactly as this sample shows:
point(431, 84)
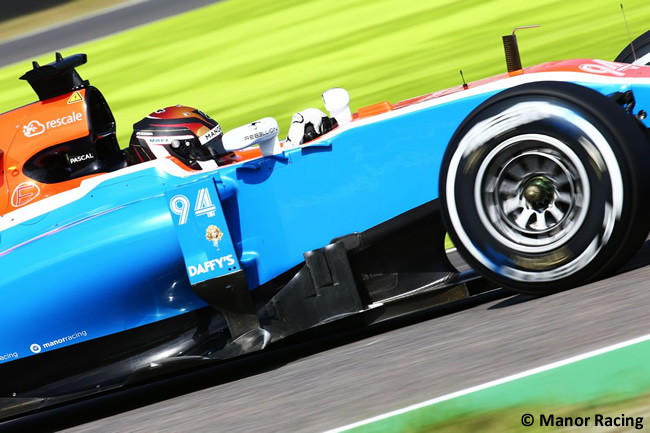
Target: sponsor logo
point(75, 97)
point(165, 140)
point(13, 355)
point(214, 235)
point(261, 134)
point(211, 265)
point(24, 193)
point(65, 339)
point(159, 140)
point(36, 348)
point(35, 127)
point(80, 158)
point(214, 132)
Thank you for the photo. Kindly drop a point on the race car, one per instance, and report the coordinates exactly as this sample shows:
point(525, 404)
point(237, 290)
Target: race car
point(195, 246)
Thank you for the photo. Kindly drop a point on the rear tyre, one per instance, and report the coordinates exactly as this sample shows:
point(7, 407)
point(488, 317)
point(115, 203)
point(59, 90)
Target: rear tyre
point(641, 55)
point(542, 187)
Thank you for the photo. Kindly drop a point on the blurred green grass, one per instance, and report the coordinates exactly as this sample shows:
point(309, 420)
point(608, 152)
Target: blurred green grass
point(241, 60)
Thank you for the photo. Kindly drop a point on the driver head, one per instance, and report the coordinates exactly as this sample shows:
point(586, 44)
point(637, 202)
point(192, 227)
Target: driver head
point(181, 132)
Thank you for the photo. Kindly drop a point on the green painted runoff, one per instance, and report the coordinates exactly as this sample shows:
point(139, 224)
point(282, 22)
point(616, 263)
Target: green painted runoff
point(610, 385)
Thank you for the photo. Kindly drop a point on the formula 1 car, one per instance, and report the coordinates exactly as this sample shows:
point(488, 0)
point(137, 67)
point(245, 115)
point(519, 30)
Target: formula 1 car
point(120, 267)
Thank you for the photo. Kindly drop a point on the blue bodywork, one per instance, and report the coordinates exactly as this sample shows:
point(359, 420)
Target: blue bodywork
point(112, 261)
point(119, 257)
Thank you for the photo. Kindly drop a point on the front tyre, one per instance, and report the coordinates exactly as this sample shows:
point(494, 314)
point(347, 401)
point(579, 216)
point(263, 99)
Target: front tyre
point(542, 187)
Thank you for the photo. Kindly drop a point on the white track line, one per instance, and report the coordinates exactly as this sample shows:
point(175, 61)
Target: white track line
point(507, 379)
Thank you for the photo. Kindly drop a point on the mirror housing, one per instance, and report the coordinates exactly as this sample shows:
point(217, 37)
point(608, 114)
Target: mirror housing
point(337, 102)
point(263, 132)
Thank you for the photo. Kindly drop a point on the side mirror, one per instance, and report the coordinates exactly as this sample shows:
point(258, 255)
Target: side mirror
point(337, 102)
point(263, 132)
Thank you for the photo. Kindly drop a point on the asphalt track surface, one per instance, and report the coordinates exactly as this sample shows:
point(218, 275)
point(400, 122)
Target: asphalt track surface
point(328, 381)
point(133, 14)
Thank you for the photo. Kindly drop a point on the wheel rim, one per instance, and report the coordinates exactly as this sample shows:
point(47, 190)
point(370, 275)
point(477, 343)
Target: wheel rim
point(532, 193)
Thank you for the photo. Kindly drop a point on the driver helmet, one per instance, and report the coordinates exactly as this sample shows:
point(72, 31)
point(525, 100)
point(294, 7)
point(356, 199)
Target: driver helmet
point(181, 132)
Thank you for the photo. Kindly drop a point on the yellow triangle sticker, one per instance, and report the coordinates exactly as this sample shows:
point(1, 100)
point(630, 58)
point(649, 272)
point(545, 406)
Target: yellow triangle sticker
point(75, 97)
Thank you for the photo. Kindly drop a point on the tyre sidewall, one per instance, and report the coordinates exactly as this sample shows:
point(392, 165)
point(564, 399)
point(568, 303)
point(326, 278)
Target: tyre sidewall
point(610, 172)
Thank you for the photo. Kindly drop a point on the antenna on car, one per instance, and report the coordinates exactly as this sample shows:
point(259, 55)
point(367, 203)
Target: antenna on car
point(465, 86)
point(513, 59)
point(56, 78)
point(627, 27)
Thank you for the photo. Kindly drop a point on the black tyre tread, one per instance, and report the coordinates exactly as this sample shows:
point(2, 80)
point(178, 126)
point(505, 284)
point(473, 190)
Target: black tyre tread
point(641, 47)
